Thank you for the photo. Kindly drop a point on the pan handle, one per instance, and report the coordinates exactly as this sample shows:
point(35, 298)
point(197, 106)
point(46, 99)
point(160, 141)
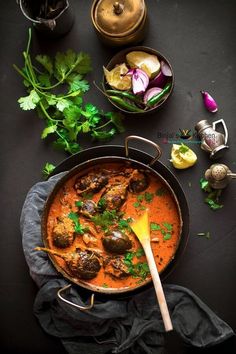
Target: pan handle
point(135, 137)
point(82, 308)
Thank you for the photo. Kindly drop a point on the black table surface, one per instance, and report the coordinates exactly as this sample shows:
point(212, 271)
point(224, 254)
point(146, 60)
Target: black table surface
point(198, 37)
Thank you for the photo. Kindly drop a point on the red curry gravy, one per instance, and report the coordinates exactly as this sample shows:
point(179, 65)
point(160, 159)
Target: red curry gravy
point(164, 217)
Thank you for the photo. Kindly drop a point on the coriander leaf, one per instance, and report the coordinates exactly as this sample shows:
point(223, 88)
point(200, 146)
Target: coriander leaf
point(76, 83)
point(106, 219)
point(168, 226)
point(60, 144)
point(183, 148)
point(70, 58)
point(148, 197)
point(51, 99)
point(46, 62)
point(26, 83)
point(48, 130)
point(140, 252)
point(62, 103)
point(213, 204)
point(61, 66)
point(136, 204)
point(167, 236)
point(116, 119)
point(44, 80)
point(72, 113)
point(161, 191)
point(140, 197)
point(154, 226)
point(73, 148)
point(48, 169)
point(103, 135)
point(90, 110)
point(83, 63)
point(30, 101)
point(85, 127)
point(205, 185)
point(79, 203)
point(75, 218)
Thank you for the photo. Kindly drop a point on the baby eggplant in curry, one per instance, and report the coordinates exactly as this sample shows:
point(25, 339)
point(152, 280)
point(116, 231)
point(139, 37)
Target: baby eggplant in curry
point(116, 268)
point(88, 208)
point(83, 264)
point(116, 242)
point(138, 183)
point(63, 233)
point(92, 182)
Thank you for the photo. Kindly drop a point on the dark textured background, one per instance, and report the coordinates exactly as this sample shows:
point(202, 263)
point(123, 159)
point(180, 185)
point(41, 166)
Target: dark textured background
point(198, 37)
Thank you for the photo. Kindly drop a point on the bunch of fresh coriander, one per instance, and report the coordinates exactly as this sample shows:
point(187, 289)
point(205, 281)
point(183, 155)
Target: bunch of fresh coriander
point(56, 89)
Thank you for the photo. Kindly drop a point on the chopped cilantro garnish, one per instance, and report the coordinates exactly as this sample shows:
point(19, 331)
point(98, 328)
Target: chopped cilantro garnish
point(154, 226)
point(105, 285)
point(87, 195)
point(183, 148)
point(168, 226)
point(136, 269)
point(140, 197)
point(78, 227)
point(167, 236)
point(102, 203)
point(48, 169)
point(124, 224)
point(161, 191)
point(79, 203)
point(148, 197)
point(165, 228)
point(105, 219)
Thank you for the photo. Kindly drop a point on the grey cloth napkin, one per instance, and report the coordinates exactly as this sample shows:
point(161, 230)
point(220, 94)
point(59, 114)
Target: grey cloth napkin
point(128, 325)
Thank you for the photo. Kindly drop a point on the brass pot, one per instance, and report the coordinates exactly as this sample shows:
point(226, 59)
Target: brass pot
point(119, 23)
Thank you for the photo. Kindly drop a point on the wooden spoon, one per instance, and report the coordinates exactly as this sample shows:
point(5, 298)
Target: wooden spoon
point(142, 230)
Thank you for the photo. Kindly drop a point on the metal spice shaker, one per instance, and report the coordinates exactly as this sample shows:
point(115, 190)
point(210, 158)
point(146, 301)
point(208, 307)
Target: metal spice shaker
point(219, 176)
point(212, 141)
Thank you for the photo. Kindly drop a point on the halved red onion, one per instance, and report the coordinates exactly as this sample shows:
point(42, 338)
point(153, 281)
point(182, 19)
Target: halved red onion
point(140, 80)
point(165, 69)
point(150, 93)
point(161, 78)
point(158, 81)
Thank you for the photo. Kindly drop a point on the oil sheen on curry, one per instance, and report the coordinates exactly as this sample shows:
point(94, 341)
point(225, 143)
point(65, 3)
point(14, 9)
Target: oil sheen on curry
point(88, 226)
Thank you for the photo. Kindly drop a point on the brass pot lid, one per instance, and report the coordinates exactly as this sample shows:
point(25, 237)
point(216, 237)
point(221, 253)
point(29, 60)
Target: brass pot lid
point(119, 18)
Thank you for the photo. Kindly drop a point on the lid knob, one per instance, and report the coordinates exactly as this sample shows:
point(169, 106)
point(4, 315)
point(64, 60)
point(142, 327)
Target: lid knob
point(118, 8)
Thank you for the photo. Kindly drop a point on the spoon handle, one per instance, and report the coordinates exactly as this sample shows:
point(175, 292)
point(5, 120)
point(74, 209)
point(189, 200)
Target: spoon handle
point(158, 287)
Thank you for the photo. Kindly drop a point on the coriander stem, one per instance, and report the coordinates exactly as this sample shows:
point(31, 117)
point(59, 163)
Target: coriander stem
point(104, 125)
point(46, 113)
point(62, 80)
point(21, 72)
point(29, 41)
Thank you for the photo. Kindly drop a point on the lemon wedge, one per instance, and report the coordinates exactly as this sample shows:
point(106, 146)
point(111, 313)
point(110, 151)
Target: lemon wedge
point(182, 156)
point(144, 61)
point(116, 79)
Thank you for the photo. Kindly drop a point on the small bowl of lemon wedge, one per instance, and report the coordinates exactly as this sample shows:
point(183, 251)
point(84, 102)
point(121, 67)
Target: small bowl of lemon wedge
point(138, 80)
